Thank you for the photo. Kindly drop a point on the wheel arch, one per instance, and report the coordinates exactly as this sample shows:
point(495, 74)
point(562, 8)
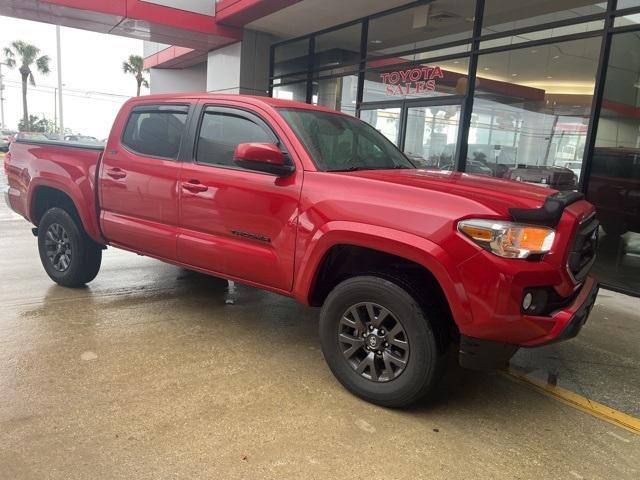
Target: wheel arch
point(384, 243)
point(48, 194)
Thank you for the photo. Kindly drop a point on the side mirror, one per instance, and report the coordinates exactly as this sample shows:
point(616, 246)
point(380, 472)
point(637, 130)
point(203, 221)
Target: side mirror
point(262, 157)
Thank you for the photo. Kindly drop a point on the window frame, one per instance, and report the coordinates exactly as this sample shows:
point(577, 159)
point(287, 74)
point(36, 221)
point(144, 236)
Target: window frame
point(235, 111)
point(155, 108)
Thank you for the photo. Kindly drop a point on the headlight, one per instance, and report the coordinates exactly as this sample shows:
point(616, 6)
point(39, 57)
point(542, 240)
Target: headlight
point(506, 239)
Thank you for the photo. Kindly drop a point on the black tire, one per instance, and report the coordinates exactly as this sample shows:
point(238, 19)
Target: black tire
point(84, 256)
point(424, 360)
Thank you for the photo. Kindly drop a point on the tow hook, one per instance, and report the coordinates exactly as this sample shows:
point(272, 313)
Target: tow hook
point(34, 230)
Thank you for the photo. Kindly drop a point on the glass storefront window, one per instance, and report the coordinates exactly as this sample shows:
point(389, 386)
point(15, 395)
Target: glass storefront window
point(338, 47)
point(627, 20)
point(531, 112)
point(385, 120)
point(339, 93)
point(500, 16)
point(628, 4)
point(543, 34)
point(415, 80)
point(292, 91)
point(432, 23)
point(431, 135)
point(614, 183)
point(291, 58)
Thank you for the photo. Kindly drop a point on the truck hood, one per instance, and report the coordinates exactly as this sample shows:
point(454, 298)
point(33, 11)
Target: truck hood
point(497, 194)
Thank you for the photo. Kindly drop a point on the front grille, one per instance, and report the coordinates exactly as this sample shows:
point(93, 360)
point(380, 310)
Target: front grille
point(583, 250)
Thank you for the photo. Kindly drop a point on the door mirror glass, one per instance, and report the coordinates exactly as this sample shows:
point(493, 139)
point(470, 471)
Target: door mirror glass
point(262, 157)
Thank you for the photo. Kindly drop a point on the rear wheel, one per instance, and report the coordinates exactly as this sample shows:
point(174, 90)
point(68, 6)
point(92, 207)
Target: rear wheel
point(379, 342)
point(69, 256)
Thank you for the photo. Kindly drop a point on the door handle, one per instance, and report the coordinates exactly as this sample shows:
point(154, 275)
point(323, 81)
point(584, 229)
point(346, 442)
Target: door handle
point(194, 186)
point(116, 173)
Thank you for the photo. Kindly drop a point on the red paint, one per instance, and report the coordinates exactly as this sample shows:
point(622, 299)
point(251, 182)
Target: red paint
point(175, 57)
point(274, 232)
point(238, 13)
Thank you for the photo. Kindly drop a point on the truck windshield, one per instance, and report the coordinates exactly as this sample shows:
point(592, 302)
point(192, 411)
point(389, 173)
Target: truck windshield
point(338, 143)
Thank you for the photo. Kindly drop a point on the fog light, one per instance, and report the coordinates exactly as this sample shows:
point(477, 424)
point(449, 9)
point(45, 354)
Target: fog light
point(526, 301)
point(534, 301)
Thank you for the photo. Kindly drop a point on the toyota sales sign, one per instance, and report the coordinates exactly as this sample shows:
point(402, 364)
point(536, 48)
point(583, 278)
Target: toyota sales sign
point(411, 81)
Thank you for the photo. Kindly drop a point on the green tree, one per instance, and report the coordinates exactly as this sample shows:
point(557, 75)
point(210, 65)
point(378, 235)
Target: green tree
point(135, 66)
point(37, 124)
point(26, 55)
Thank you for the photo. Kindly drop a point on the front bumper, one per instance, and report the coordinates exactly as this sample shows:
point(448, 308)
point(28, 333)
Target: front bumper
point(482, 354)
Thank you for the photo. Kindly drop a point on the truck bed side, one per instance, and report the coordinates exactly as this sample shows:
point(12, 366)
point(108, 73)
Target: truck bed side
point(40, 172)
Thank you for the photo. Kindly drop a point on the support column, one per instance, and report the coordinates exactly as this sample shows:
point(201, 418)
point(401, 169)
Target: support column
point(242, 67)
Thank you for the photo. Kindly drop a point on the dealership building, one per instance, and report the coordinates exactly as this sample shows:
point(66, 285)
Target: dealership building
point(545, 91)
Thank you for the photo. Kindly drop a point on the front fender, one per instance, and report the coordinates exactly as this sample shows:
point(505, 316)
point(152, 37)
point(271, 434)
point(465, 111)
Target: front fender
point(406, 245)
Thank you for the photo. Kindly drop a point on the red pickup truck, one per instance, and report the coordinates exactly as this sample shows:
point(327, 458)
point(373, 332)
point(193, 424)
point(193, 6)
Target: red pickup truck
point(316, 205)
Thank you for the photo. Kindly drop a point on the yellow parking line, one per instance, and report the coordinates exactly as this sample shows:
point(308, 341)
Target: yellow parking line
point(572, 399)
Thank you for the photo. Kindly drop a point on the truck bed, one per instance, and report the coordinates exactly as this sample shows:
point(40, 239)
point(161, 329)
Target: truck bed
point(67, 167)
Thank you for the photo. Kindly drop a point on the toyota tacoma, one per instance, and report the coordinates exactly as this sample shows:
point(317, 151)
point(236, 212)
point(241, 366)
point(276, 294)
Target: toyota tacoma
point(407, 264)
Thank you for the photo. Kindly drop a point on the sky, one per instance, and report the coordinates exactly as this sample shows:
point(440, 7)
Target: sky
point(94, 85)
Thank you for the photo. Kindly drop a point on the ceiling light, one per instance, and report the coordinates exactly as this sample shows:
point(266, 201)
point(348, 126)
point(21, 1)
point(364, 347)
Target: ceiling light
point(487, 68)
point(376, 42)
point(456, 61)
point(549, 76)
point(514, 74)
point(555, 57)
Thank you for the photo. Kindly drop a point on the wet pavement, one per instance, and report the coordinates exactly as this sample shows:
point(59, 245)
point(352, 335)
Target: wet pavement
point(155, 372)
point(602, 363)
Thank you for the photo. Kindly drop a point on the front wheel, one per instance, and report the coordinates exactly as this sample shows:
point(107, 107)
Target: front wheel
point(69, 256)
point(379, 343)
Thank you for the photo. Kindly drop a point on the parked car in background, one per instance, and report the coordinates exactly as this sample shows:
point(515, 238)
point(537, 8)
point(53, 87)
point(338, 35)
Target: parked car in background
point(559, 178)
point(6, 137)
point(318, 205)
point(85, 139)
point(575, 167)
point(473, 166)
point(614, 188)
point(31, 136)
point(54, 136)
point(496, 158)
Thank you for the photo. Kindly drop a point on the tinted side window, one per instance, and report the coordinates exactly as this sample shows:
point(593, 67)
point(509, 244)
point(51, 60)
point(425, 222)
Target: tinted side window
point(157, 133)
point(220, 133)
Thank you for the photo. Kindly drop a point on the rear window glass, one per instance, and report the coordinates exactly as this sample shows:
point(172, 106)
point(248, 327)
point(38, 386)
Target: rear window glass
point(156, 131)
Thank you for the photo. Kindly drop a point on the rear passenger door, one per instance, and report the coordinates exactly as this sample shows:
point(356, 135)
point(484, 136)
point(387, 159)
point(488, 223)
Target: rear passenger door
point(236, 222)
point(139, 177)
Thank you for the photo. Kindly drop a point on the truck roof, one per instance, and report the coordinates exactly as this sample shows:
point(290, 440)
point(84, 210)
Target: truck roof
point(249, 99)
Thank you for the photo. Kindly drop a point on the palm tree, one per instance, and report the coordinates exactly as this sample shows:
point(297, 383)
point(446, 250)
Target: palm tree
point(135, 66)
point(26, 54)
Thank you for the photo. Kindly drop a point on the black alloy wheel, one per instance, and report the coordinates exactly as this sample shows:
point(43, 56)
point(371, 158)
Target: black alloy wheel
point(373, 342)
point(58, 246)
